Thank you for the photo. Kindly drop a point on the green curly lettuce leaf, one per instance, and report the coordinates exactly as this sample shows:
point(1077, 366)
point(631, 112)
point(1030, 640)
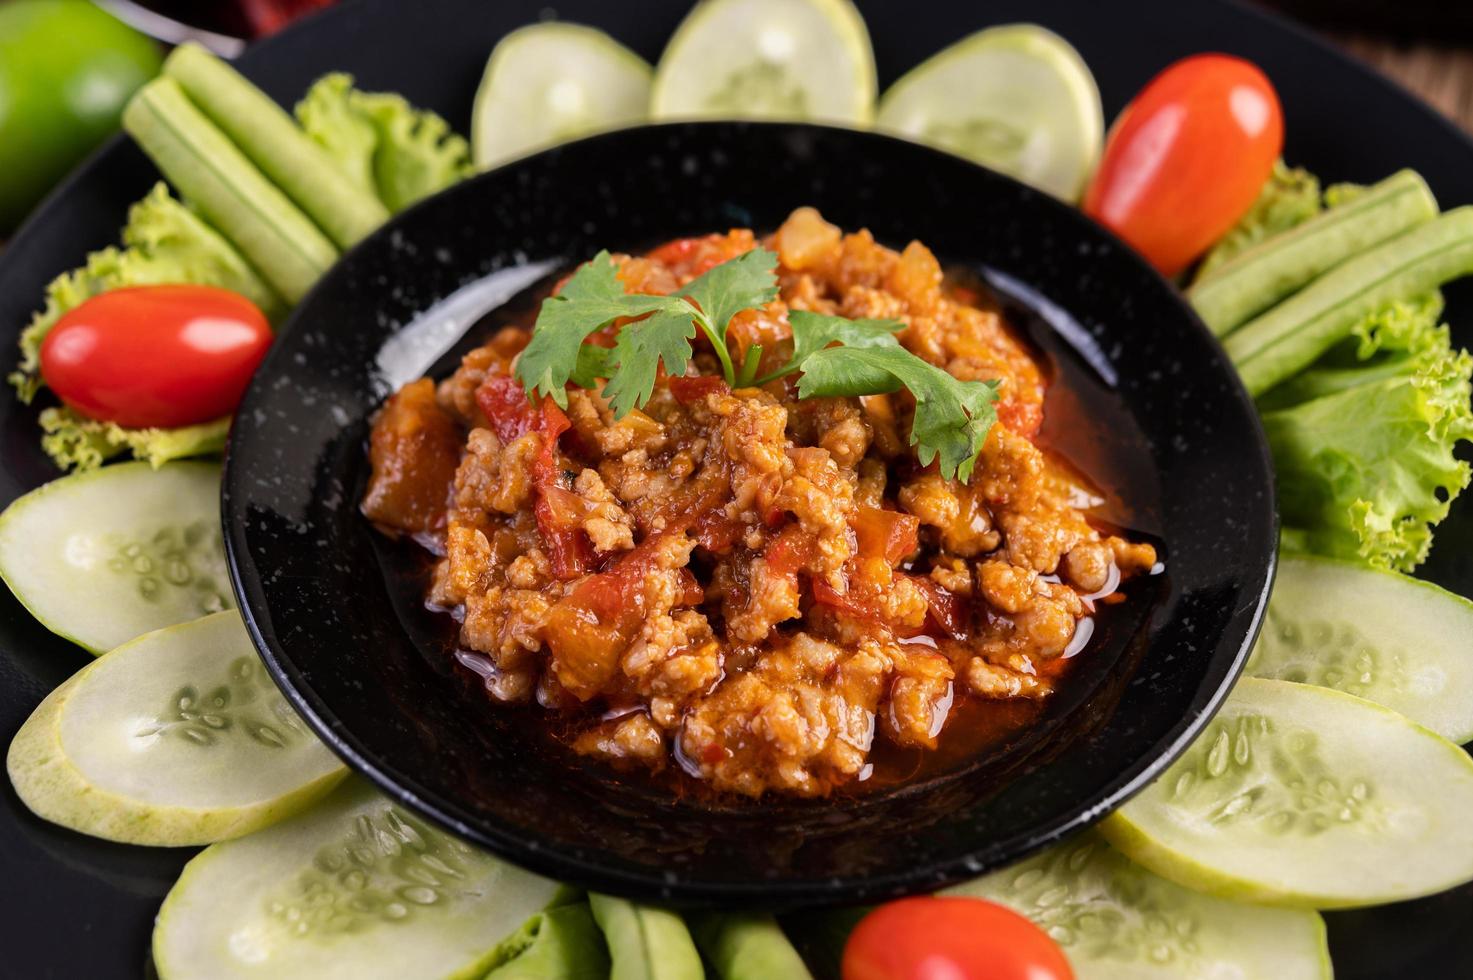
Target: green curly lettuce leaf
point(164, 242)
point(382, 142)
point(1364, 442)
point(77, 442)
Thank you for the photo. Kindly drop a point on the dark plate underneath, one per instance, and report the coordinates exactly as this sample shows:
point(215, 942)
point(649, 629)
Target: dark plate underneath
point(78, 907)
point(1160, 420)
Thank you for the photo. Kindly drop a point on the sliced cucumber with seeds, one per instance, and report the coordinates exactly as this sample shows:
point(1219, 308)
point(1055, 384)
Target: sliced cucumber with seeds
point(1384, 637)
point(1117, 921)
point(768, 59)
point(178, 737)
point(355, 887)
point(1016, 98)
point(553, 82)
point(104, 556)
point(1299, 795)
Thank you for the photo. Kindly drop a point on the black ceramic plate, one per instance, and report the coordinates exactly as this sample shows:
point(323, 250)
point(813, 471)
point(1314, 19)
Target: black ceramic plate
point(77, 907)
point(1144, 401)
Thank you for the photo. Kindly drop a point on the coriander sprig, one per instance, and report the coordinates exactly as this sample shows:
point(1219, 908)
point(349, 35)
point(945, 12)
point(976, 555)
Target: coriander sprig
point(835, 355)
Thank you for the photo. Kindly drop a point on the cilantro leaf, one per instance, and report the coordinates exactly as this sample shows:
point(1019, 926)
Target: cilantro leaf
point(952, 417)
point(639, 349)
point(591, 298)
point(742, 283)
point(593, 364)
point(812, 332)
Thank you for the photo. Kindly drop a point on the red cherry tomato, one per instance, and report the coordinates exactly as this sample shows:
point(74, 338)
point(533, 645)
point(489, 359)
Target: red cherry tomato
point(1187, 158)
point(160, 356)
point(950, 939)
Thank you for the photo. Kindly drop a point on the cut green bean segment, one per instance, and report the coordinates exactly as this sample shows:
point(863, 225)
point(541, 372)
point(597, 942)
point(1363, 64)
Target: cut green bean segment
point(563, 943)
point(646, 942)
point(355, 887)
point(1307, 797)
point(1292, 335)
point(746, 946)
point(1238, 290)
point(268, 135)
point(209, 171)
point(176, 738)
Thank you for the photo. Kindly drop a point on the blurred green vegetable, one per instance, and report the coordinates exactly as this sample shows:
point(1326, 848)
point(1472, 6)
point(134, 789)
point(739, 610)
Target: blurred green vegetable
point(66, 70)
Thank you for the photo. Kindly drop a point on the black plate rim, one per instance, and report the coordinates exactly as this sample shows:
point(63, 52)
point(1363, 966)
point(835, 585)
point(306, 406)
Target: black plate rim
point(247, 585)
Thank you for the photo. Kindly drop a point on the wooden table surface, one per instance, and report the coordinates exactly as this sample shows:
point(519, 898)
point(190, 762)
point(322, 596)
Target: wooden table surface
point(1443, 75)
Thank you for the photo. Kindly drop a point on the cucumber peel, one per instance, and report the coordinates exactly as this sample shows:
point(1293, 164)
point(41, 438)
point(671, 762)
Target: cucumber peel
point(1017, 98)
point(1302, 796)
point(1392, 639)
point(104, 556)
point(1235, 291)
point(548, 83)
point(176, 738)
point(356, 886)
point(1117, 921)
point(213, 174)
point(768, 59)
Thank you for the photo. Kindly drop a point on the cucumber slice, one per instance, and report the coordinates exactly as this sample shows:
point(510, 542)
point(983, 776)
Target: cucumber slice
point(355, 887)
point(178, 737)
point(553, 82)
point(1384, 637)
point(768, 59)
point(1117, 921)
point(1299, 795)
point(104, 556)
point(1016, 98)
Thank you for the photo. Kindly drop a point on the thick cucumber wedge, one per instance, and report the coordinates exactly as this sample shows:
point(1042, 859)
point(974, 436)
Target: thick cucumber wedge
point(176, 738)
point(1236, 291)
point(266, 134)
point(355, 887)
point(1289, 337)
point(553, 82)
point(107, 555)
point(645, 942)
point(1303, 796)
point(1117, 921)
point(1016, 98)
point(1384, 637)
point(768, 59)
point(212, 174)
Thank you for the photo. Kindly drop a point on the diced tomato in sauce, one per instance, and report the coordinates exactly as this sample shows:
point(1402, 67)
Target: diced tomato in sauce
point(589, 627)
point(504, 402)
point(688, 390)
point(887, 534)
point(568, 549)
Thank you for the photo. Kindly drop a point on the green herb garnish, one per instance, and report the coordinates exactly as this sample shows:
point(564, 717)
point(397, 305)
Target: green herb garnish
point(836, 356)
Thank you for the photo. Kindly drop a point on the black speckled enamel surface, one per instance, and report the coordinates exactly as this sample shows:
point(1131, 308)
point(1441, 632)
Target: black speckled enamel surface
point(365, 663)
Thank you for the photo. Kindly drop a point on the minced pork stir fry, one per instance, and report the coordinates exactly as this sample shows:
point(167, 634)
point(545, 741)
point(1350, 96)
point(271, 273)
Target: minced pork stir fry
point(756, 582)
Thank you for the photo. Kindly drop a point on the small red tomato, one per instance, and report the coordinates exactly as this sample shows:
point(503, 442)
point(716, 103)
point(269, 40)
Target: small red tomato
point(950, 939)
point(160, 356)
point(1187, 158)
